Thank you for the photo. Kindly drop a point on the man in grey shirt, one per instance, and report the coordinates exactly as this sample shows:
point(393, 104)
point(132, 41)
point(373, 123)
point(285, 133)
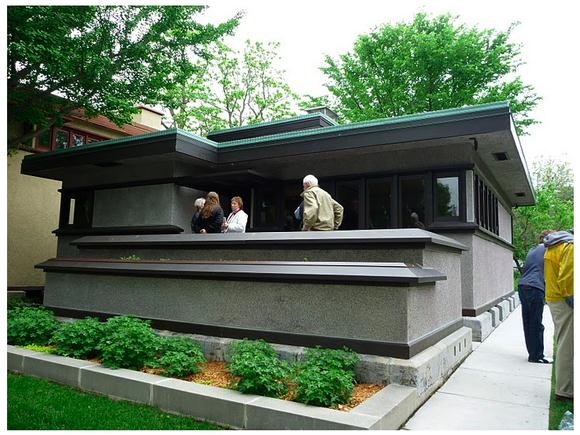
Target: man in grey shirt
point(531, 289)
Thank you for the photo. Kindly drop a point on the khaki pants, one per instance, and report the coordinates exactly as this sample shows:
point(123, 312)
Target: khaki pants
point(563, 317)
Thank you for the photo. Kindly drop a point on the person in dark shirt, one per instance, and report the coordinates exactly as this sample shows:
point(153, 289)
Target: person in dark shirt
point(197, 207)
point(532, 290)
point(211, 217)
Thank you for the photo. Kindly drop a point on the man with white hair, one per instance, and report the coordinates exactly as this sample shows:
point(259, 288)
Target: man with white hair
point(321, 212)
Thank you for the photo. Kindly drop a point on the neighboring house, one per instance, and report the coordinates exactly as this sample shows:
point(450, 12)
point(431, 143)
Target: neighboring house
point(34, 203)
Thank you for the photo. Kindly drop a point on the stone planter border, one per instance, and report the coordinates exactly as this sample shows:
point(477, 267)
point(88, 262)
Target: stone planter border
point(388, 409)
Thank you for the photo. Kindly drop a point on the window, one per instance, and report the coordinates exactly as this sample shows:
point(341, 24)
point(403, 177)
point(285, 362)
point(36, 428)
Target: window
point(61, 140)
point(412, 210)
point(486, 206)
point(379, 203)
point(348, 194)
point(447, 198)
point(265, 207)
point(77, 139)
point(292, 200)
point(77, 209)
point(65, 138)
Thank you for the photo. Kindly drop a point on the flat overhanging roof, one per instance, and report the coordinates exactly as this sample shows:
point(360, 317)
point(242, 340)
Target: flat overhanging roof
point(491, 125)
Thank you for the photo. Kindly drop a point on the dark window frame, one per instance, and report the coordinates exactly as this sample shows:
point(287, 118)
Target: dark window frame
point(461, 192)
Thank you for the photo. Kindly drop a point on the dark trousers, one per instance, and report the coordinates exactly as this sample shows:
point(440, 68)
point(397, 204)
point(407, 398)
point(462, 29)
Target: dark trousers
point(532, 310)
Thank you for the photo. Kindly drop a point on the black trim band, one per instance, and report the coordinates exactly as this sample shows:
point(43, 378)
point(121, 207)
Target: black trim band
point(136, 230)
point(396, 350)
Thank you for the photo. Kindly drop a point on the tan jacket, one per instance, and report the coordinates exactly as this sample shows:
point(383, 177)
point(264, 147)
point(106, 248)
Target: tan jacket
point(321, 212)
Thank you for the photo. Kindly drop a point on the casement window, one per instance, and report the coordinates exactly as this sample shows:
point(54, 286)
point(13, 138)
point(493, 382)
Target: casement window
point(62, 138)
point(447, 197)
point(379, 196)
point(412, 201)
point(69, 138)
point(486, 206)
point(76, 209)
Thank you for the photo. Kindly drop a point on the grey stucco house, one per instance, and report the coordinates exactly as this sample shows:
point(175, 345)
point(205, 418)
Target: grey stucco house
point(427, 198)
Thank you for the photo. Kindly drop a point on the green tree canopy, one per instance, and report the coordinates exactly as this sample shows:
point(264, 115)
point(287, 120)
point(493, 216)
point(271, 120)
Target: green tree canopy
point(429, 64)
point(103, 59)
point(554, 208)
point(230, 89)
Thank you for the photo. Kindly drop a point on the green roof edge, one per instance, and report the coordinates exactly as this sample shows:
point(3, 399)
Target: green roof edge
point(287, 135)
point(371, 123)
point(124, 139)
point(277, 121)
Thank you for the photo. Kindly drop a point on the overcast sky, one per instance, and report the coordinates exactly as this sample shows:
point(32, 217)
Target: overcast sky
point(548, 31)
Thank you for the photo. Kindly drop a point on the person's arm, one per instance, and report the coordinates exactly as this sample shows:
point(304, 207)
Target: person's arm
point(238, 223)
point(310, 209)
point(338, 213)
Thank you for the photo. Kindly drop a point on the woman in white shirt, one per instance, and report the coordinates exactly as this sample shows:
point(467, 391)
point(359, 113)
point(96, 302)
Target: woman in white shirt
point(237, 220)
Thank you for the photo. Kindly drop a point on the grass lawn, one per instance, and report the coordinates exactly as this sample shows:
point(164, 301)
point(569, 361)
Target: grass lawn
point(34, 403)
point(557, 408)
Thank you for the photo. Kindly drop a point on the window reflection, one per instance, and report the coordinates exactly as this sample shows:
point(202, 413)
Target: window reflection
point(413, 202)
point(447, 197)
point(379, 203)
point(348, 195)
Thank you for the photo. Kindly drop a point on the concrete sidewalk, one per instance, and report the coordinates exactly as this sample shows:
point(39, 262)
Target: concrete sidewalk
point(495, 387)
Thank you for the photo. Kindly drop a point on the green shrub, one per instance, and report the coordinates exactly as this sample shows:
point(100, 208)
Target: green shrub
point(39, 348)
point(127, 342)
point(319, 387)
point(259, 369)
point(325, 377)
point(30, 325)
point(79, 339)
point(179, 356)
point(340, 359)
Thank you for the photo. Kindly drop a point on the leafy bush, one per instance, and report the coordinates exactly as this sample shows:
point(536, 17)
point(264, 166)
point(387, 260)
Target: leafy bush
point(325, 377)
point(30, 325)
point(79, 339)
point(179, 356)
point(127, 342)
point(340, 359)
point(259, 369)
point(39, 348)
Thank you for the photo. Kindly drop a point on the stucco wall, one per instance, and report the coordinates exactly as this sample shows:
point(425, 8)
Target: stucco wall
point(440, 304)
point(380, 312)
point(486, 270)
point(492, 271)
point(160, 204)
point(505, 223)
point(33, 208)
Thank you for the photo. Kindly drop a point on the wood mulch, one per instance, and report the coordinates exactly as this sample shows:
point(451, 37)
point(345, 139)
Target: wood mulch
point(215, 373)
